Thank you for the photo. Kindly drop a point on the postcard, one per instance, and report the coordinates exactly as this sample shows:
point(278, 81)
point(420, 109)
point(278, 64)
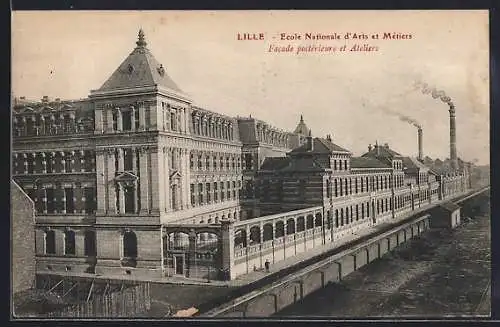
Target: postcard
point(250, 164)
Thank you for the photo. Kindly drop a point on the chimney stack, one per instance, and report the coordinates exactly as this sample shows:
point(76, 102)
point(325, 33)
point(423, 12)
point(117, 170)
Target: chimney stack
point(309, 142)
point(329, 138)
point(45, 98)
point(369, 147)
point(57, 100)
point(420, 145)
point(453, 138)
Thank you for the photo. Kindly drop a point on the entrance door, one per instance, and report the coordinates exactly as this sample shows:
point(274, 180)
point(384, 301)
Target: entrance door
point(179, 264)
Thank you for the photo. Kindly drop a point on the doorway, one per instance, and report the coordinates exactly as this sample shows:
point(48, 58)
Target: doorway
point(179, 264)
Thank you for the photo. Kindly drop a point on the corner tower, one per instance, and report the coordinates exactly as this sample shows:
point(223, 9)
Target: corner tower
point(139, 110)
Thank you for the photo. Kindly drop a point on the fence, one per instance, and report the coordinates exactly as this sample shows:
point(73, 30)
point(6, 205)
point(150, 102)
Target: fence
point(128, 302)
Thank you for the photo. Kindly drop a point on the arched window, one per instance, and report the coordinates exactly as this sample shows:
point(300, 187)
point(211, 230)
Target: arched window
point(280, 229)
point(50, 242)
point(255, 234)
point(268, 233)
point(90, 243)
point(310, 222)
point(301, 226)
point(318, 221)
point(290, 226)
point(129, 244)
point(69, 242)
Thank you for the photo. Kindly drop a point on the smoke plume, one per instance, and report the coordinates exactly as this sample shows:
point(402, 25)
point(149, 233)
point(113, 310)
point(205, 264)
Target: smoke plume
point(409, 120)
point(436, 94)
point(395, 113)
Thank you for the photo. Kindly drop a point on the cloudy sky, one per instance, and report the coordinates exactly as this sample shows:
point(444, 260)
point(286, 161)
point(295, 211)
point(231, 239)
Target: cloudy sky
point(348, 94)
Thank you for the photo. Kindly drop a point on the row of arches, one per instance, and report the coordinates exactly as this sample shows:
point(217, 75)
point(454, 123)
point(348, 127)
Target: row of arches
point(269, 231)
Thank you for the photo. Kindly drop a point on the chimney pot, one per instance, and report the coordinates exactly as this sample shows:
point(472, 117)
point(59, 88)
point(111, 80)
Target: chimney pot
point(58, 100)
point(386, 145)
point(369, 147)
point(22, 98)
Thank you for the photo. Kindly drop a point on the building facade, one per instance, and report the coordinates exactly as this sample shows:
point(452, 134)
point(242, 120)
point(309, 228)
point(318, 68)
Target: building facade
point(134, 178)
point(22, 239)
point(107, 172)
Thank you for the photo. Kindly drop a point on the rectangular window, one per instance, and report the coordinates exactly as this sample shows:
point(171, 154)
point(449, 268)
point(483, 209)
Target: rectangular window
point(214, 163)
point(193, 199)
point(70, 203)
point(50, 200)
point(67, 164)
point(50, 242)
point(89, 199)
point(67, 123)
point(69, 243)
point(200, 193)
point(199, 162)
point(222, 191)
point(127, 120)
point(228, 189)
point(207, 190)
point(216, 194)
point(248, 161)
point(173, 126)
point(191, 161)
point(137, 121)
point(115, 120)
point(31, 164)
point(89, 246)
point(207, 162)
point(128, 159)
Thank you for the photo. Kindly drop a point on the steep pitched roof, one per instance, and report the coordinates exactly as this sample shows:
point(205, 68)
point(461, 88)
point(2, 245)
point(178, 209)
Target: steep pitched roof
point(303, 164)
point(302, 127)
point(140, 69)
point(413, 163)
point(367, 162)
point(320, 146)
point(382, 151)
point(275, 163)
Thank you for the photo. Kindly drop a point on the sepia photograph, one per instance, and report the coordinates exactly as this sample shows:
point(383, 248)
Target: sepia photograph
point(289, 164)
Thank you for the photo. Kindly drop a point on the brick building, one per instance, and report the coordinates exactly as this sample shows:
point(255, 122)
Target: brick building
point(111, 174)
point(106, 172)
point(22, 239)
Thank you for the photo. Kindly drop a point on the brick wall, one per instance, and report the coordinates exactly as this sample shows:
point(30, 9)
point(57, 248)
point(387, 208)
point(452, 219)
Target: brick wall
point(23, 239)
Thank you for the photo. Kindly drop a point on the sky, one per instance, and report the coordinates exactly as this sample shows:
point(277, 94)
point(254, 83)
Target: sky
point(356, 96)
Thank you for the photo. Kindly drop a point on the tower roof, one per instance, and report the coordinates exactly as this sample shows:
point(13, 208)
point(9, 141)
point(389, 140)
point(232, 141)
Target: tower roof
point(302, 127)
point(140, 69)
